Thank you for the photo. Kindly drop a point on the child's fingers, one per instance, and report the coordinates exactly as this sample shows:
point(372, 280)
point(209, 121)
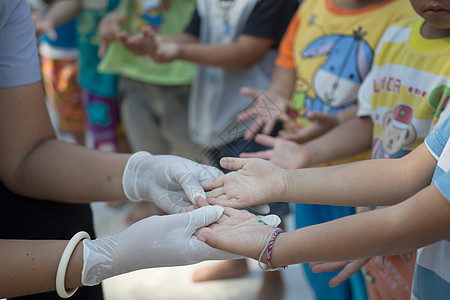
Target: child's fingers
point(265, 140)
point(212, 183)
point(267, 154)
point(233, 163)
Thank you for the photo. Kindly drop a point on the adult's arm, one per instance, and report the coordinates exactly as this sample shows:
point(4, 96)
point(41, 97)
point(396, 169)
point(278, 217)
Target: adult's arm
point(34, 163)
point(32, 265)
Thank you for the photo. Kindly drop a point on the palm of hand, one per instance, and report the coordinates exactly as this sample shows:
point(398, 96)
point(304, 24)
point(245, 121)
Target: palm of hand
point(238, 232)
point(289, 155)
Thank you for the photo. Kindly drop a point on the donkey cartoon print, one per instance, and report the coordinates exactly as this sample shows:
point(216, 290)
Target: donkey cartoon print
point(337, 81)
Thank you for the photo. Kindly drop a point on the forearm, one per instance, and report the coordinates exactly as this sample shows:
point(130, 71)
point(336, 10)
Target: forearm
point(31, 266)
point(34, 164)
point(366, 183)
point(63, 11)
point(181, 38)
point(347, 139)
point(239, 55)
point(347, 114)
point(393, 230)
point(282, 82)
point(71, 173)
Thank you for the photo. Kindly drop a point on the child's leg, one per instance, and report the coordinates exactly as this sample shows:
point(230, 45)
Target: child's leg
point(102, 121)
point(141, 109)
point(354, 288)
point(175, 122)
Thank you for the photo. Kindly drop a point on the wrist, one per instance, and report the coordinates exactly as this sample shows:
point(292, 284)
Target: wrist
point(181, 52)
point(266, 255)
point(133, 174)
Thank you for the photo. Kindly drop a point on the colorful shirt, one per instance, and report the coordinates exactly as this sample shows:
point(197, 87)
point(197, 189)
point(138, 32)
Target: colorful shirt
point(167, 17)
point(406, 90)
point(332, 50)
point(88, 43)
point(432, 272)
point(215, 98)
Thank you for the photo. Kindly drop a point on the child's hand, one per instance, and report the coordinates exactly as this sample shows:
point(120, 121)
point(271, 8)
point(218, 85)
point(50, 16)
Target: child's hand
point(267, 109)
point(322, 124)
point(255, 182)
point(285, 154)
point(237, 231)
point(43, 25)
point(348, 268)
point(147, 42)
point(110, 29)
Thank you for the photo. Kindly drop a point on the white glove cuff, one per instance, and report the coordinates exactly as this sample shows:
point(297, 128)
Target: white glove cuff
point(131, 175)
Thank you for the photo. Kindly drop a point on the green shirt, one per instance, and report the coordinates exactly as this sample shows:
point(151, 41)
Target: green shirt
point(176, 14)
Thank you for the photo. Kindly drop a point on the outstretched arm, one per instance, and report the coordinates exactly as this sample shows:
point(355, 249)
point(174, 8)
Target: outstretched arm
point(60, 12)
point(397, 229)
point(31, 265)
point(366, 183)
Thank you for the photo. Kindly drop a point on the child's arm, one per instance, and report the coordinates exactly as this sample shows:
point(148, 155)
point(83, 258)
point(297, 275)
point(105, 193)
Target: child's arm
point(401, 228)
point(60, 12)
point(348, 138)
point(397, 229)
point(239, 55)
point(366, 183)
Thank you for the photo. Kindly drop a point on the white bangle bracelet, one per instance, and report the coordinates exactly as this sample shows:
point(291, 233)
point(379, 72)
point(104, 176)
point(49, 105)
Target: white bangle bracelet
point(64, 262)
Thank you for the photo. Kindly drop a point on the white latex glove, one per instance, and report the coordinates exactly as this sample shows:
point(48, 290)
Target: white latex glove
point(158, 241)
point(165, 179)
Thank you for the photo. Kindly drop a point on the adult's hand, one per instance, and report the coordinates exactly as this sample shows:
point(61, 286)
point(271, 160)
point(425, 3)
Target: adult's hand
point(158, 241)
point(165, 179)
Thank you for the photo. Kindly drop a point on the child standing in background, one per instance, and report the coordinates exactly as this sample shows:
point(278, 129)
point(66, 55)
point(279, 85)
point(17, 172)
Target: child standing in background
point(99, 90)
point(59, 64)
point(153, 97)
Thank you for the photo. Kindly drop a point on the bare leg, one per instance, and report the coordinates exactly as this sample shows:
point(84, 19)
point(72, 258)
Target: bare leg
point(272, 287)
point(222, 270)
point(142, 210)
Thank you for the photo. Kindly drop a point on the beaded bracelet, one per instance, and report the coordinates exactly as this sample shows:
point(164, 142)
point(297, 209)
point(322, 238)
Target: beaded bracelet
point(269, 247)
point(63, 263)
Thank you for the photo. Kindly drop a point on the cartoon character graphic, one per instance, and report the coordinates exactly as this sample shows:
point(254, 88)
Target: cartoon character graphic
point(336, 82)
point(398, 132)
point(150, 12)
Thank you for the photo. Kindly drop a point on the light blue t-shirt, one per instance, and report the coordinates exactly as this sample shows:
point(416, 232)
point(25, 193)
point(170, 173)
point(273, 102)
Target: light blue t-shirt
point(19, 62)
point(432, 272)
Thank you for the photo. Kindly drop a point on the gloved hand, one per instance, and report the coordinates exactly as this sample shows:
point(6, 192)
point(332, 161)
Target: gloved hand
point(158, 241)
point(165, 179)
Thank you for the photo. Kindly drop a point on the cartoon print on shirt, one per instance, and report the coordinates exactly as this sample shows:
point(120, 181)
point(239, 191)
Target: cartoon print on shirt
point(150, 12)
point(439, 98)
point(336, 82)
point(398, 132)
